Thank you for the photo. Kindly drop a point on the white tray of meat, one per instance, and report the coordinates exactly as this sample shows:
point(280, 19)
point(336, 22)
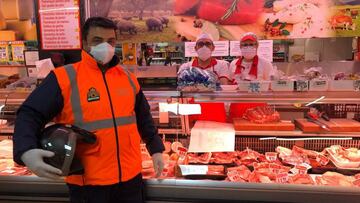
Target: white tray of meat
point(344, 158)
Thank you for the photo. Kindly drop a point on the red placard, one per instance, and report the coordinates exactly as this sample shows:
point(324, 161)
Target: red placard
point(59, 24)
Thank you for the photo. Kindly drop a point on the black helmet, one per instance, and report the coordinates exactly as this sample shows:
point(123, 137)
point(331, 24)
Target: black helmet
point(62, 139)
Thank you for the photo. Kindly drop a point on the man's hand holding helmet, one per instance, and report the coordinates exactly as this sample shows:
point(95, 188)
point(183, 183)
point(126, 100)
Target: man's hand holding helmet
point(34, 160)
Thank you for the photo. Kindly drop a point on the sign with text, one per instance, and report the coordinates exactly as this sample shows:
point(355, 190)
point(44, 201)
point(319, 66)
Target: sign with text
point(208, 136)
point(221, 49)
point(265, 49)
point(59, 24)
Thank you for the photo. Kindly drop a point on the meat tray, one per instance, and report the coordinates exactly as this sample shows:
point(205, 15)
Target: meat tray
point(245, 125)
point(342, 165)
point(335, 125)
point(204, 177)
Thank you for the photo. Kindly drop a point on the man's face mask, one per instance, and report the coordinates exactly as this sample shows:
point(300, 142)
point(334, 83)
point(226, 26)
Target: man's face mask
point(103, 52)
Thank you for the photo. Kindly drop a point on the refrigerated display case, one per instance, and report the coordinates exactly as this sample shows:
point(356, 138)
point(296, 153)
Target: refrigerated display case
point(343, 104)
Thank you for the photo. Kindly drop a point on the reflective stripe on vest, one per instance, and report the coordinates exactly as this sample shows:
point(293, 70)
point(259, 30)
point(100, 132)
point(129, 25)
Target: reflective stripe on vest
point(77, 110)
point(131, 82)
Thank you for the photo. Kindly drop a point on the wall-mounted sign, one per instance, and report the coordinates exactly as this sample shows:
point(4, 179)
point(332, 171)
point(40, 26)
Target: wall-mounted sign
point(17, 51)
point(59, 24)
point(4, 52)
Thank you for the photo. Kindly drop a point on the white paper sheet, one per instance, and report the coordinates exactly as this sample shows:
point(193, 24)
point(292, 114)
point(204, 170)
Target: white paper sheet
point(209, 136)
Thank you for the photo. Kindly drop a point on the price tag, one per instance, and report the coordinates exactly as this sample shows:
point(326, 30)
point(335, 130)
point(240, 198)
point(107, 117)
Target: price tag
point(282, 178)
point(307, 166)
point(165, 172)
point(182, 151)
point(299, 170)
point(143, 148)
point(271, 156)
point(323, 160)
point(302, 85)
point(234, 177)
point(193, 169)
point(254, 87)
point(357, 182)
point(357, 85)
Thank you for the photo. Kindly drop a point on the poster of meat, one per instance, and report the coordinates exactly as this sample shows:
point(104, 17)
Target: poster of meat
point(183, 20)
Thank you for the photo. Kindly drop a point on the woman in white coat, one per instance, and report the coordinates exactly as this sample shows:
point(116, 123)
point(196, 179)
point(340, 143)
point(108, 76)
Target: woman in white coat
point(249, 66)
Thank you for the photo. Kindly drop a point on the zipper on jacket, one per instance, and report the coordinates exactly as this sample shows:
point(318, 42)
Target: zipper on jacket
point(115, 127)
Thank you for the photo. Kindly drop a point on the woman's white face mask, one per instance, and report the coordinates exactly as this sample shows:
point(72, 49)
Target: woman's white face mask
point(249, 52)
point(204, 53)
point(103, 52)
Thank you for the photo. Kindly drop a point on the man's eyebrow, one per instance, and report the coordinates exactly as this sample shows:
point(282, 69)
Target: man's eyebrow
point(97, 37)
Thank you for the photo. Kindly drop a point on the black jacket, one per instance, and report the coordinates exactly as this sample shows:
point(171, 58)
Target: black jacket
point(46, 102)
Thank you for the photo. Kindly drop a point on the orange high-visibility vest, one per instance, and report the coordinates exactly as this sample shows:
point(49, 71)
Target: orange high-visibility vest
point(102, 103)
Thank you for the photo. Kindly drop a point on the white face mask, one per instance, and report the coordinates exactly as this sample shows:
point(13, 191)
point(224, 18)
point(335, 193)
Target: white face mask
point(103, 52)
point(204, 53)
point(249, 52)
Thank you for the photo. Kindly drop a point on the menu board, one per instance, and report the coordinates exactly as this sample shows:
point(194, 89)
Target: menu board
point(59, 24)
point(221, 49)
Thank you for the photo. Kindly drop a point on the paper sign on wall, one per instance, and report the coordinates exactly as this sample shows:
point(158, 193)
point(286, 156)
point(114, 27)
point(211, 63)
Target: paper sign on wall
point(4, 52)
point(221, 49)
point(17, 50)
point(265, 49)
point(59, 24)
point(208, 136)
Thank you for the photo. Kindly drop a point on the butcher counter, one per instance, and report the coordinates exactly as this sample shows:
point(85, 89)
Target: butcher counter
point(33, 189)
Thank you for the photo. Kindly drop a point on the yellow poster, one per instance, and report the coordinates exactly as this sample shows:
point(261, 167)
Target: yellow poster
point(17, 51)
point(129, 53)
point(4, 52)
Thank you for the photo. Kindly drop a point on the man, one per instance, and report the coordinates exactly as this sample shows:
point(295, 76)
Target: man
point(249, 66)
point(100, 96)
point(204, 48)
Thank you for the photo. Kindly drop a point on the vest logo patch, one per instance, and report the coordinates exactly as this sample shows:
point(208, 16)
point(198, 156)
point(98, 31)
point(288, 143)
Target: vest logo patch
point(93, 95)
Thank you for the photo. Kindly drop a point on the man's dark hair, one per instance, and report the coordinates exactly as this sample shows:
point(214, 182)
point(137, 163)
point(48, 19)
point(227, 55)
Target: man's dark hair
point(97, 22)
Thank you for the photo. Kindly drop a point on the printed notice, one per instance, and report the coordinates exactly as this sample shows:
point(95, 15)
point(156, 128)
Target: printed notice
point(59, 24)
point(208, 136)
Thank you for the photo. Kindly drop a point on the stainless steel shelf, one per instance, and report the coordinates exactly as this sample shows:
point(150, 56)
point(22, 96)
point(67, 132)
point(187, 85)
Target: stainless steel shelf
point(180, 190)
point(280, 98)
point(295, 133)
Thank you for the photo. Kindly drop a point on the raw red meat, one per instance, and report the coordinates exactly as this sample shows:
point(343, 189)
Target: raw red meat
point(356, 183)
point(270, 169)
point(309, 153)
point(333, 179)
point(169, 169)
point(215, 170)
point(175, 146)
point(262, 114)
point(15, 171)
point(256, 177)
point(301, 179)
point(246, 12)
point(291, 157)
point(223, 157)
point(238, 174)
point(357, 176)
point(148, 173)
point(167, 147)
point(202, 159)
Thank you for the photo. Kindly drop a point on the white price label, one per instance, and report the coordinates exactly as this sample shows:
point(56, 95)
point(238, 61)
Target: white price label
point(193, 169)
